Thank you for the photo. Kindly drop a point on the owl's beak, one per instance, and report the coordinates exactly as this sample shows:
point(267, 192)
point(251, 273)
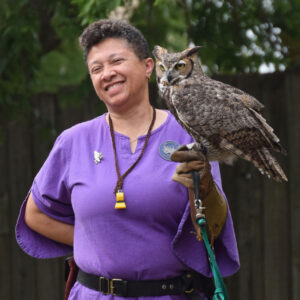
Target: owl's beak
point(169, 77)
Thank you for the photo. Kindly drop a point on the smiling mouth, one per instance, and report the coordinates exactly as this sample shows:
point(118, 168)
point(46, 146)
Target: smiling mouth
point(113, 86)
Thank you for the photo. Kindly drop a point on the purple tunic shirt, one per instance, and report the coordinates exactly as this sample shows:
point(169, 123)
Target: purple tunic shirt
point(151, 239)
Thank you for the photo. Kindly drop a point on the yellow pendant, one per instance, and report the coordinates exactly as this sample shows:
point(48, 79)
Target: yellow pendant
point(120, 202)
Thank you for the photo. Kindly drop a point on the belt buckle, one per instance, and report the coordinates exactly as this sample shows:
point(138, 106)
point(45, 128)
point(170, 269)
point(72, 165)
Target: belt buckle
point(106, 286)
point(111, 286)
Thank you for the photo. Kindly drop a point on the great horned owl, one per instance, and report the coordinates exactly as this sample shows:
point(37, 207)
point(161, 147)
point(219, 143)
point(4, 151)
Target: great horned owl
point(222, 118)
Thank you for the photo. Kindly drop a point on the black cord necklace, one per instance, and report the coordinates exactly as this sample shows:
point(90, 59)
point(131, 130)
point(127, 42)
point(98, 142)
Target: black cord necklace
point(120, 201)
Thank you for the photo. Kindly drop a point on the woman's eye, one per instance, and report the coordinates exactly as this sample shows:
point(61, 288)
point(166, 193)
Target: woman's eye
point(180, 66)
point(117, 60)
point(95, 70)
point(162, 68)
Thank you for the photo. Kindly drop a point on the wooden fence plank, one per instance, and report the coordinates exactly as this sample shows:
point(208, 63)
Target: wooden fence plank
point(50, 282)
point(23, 279)
point(5, 230)
point(293, 117)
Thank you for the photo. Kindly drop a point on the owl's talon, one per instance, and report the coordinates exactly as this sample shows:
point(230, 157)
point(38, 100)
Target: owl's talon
point(190, 146)
point(197, 147)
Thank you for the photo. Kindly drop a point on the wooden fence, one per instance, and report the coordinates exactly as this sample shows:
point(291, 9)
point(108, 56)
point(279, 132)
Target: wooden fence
point(266, 214)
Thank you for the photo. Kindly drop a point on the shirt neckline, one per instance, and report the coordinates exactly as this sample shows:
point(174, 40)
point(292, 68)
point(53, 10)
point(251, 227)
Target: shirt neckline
point(121, 135)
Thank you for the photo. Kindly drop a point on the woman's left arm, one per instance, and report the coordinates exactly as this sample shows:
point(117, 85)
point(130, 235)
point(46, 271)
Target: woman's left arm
point(47, 226)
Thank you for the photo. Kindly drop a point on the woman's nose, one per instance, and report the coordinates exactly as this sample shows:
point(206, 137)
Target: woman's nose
point(108, 73)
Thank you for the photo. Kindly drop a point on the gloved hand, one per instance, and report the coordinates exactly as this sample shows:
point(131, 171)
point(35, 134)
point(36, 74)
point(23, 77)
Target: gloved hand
point(213, 201)
point(192, 160)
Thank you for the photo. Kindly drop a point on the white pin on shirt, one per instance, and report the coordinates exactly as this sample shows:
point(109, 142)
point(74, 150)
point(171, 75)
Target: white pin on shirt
point(97, 157)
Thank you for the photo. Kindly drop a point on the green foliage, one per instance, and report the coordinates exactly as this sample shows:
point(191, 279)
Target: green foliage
point(65, 21)
point(19, 50)
point(161, 23)
point(39, 54)
point(93, 10)
point(61, 67)
point(287, 17)
point(236, 35)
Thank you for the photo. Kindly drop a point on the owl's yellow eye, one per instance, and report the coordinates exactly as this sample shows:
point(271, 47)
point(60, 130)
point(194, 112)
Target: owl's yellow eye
point(180, 66)
point(162, 68)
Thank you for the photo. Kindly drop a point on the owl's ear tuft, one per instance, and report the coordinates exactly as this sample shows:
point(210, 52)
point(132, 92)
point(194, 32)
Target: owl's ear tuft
point(190, 51)
point(159, 51)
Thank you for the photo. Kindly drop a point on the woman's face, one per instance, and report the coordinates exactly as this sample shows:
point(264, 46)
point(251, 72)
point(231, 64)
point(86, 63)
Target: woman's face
point(119, 77)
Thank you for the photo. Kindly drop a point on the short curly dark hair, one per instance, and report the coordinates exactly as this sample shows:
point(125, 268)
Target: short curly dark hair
point(107, 28)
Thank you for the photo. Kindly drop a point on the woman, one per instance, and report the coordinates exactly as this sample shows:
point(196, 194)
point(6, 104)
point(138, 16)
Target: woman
point(106, 191)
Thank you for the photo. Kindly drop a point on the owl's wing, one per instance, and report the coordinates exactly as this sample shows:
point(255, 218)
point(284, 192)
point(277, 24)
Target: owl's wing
point(208, 109)
point(247, 99)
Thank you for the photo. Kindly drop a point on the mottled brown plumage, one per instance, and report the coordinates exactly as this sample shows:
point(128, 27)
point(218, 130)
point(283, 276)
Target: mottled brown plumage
point(222, 118)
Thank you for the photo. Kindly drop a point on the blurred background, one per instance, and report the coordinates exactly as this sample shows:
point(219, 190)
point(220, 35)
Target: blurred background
point(45, 88)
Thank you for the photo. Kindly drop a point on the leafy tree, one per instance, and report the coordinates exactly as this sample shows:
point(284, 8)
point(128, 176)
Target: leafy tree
point(39, 55)
point(239, 36)
point(236, 35)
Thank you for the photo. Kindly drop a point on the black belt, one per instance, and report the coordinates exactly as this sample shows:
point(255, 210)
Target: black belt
point(143, 288)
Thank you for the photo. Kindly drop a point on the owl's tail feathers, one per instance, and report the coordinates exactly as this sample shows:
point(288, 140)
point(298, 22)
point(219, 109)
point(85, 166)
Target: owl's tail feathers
point(268, 132)
point(280, 149)
point(267, 164)
point(261, 158)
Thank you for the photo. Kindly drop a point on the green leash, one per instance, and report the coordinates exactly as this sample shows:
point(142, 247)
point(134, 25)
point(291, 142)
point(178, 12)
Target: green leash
point(220, 288)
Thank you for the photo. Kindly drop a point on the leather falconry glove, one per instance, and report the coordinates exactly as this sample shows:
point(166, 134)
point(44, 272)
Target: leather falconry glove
point(212, 199)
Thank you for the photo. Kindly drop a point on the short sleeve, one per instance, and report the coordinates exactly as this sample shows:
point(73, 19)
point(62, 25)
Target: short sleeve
point(51, 194)
point(193, 253)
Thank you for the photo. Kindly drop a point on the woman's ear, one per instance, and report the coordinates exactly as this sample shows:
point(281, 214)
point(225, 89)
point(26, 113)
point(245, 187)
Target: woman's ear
point(149, 63)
